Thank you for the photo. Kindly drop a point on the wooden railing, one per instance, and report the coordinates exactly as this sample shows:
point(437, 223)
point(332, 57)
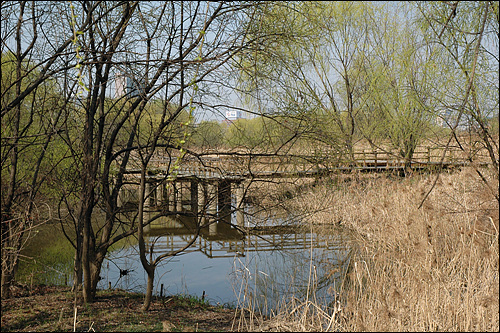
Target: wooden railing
point(324, 160)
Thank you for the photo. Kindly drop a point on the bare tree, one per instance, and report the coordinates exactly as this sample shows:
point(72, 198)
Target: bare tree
point(203, 40)
point(29, 150)
point(164, 51)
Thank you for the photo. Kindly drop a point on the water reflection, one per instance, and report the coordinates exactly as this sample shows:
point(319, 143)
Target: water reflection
point(257, 268)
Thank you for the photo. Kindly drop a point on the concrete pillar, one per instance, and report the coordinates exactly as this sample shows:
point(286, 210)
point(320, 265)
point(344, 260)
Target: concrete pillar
point(120, 197)
point(148, 195)
point(166, 196)
point(145, 218)
point(160, 195)
point(179, 196)
point(171, 197)
point(194, 196)
point(202, 201)
point(212, 207)
point(240, 216)
point(212, 228)
point(224, 201)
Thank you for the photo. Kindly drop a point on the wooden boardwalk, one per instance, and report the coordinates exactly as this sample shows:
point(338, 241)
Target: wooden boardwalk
point(207, 191)
point(210, 184)
point(207, 169)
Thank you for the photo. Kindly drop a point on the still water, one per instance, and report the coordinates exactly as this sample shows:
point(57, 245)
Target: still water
point(261, 269)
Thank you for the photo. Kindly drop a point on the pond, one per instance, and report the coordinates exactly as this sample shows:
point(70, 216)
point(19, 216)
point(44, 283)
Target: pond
point(276, 260)
point(273, 261)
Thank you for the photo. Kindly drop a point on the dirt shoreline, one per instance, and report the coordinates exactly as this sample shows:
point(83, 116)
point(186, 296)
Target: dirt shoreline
point(50, 308)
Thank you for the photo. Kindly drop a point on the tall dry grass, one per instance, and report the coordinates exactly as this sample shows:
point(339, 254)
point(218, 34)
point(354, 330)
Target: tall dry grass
point(428, 269)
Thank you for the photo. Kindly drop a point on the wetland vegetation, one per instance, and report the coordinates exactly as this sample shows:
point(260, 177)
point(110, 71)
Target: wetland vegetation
point(403, 276)
point(100, 98)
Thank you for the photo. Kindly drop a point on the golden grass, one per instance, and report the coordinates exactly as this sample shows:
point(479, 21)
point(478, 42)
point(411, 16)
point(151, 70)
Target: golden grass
point(428, 269)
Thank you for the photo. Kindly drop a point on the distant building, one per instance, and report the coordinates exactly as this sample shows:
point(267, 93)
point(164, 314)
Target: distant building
point(125, 85)
point(448, 118)
point(120, 85)
point(233, 115)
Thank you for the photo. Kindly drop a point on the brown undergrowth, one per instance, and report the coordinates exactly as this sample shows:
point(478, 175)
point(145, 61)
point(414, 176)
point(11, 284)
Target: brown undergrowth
point(428, 269)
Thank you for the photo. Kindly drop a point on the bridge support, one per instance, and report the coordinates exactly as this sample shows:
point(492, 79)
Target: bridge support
point(224, 201)
point(120, 197)
point(202, 201)
point(194, 197)
point(149, 195)
point(179, 196)
point(159, 194)
point(212, 208)
point(240, 217)
point(214, 201)
point(164, 197)
point(171, 197)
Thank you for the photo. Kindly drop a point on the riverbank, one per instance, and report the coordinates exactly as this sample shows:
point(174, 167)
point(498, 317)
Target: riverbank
point(51, 308)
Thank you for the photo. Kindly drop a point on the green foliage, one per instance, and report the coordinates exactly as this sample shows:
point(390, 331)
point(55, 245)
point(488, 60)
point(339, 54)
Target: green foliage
point(493, 125)
point(244, 133)
point(40, 132)
point(209, 134)
point(311, 76)
point(167, 116)
point(190, 301)
point(263, 132)
point(397, 79)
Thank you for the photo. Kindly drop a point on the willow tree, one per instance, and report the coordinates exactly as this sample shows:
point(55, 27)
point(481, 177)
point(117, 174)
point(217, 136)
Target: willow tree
point(397, 79)
point(467, 32)
point(308, 69)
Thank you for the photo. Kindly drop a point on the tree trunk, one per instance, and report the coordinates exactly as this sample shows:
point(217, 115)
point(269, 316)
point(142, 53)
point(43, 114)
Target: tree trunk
point(148, 267)
point(87, 292)
point(85, 220)
point(95, 271)
point(8, 237)
point(149, 289)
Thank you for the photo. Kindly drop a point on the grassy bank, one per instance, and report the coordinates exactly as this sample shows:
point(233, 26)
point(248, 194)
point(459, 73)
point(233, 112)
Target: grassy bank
point(430, 269)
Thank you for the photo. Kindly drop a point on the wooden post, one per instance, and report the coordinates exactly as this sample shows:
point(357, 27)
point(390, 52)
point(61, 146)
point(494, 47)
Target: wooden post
point(428, 155)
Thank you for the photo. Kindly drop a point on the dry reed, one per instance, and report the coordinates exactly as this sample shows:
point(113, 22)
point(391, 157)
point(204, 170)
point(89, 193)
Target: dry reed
point(428, 269)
